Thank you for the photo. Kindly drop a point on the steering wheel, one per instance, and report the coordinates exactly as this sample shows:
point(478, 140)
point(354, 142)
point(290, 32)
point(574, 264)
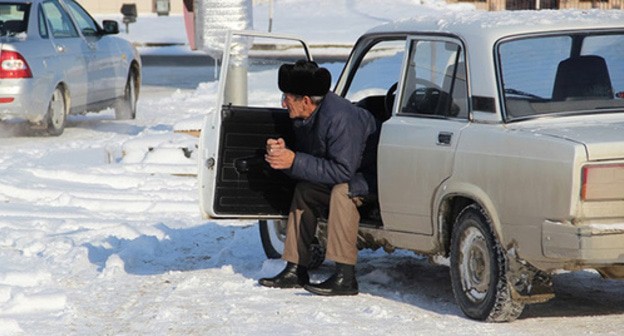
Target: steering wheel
point(389, 98)
point(429, 91)
point(426, 100)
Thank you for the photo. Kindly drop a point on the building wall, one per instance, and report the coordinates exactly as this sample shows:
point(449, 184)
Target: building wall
point(544, 4)
point(114, 6)
point(175, 6)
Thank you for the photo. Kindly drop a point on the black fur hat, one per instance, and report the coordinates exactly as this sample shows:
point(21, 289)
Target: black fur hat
point(304, 78)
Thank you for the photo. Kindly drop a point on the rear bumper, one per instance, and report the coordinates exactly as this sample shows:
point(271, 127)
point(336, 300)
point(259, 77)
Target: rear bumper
point(589, 245)
point(23, 99)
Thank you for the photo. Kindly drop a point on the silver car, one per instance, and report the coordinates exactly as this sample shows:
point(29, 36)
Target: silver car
point(55, 60)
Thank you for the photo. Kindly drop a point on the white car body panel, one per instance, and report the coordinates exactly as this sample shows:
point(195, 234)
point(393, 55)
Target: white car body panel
point(525, 172)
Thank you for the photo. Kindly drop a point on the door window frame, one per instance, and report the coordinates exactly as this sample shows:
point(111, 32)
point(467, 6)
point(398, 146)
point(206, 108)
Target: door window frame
point(437, 38)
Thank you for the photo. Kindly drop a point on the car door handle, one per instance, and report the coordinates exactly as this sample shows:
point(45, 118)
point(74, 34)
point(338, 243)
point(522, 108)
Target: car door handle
point(60, 48)
point(444, 138)
point(245, 164)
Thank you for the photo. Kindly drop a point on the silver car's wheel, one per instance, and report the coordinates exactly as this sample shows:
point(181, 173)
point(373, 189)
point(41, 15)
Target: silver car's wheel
point(126, 108)
point(273, 236)
point(479, 270)
point(56, 117)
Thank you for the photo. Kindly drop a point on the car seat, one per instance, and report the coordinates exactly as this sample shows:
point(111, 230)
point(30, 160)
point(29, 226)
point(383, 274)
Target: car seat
point(582, 77)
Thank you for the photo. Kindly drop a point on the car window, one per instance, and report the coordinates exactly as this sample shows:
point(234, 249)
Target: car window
point(435, 82)
point(564, 74)
point(58, 20)
point(85, 22)
point(378, 70)
point(43, 27)
point(611, 48)
point(13, 18)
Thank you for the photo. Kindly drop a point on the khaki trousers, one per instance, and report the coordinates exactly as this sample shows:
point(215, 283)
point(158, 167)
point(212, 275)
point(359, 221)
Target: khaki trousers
point(309, 202)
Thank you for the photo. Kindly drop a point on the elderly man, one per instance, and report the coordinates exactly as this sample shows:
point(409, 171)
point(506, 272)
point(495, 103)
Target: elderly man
point(331, 135)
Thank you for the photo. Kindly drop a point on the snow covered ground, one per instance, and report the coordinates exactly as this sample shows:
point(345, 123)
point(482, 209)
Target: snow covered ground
point(100, 232)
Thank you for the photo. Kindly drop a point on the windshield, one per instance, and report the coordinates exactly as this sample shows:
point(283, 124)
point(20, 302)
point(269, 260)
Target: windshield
point(562, 74)
point(13, 18)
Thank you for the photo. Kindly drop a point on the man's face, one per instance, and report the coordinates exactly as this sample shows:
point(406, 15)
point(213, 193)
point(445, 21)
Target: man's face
point(299, 107)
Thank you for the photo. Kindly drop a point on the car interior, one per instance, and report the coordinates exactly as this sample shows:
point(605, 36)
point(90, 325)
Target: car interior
point(12, 27)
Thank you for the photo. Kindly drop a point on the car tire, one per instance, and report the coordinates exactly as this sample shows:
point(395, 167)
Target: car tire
point(273, 236)
point(125, 108)
point(56, 116)
point(479, 270)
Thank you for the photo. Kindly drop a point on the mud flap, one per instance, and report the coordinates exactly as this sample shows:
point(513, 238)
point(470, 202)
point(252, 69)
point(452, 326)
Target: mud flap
point(528, 284)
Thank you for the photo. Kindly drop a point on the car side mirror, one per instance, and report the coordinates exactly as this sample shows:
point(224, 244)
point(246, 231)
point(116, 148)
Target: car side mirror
point(110, 27)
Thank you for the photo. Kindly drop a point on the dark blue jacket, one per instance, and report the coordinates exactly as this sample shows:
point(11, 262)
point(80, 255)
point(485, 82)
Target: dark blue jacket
point(330, 145)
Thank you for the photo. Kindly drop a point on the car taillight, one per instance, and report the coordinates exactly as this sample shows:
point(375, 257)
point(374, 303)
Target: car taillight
point(602, 182)
point(13, 65)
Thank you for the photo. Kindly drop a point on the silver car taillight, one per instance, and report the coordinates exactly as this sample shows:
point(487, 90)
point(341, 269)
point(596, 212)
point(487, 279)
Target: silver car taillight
point(13, 65)
point(602, 182)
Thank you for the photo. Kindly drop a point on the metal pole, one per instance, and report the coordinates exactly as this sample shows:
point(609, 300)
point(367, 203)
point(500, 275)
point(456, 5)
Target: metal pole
point(216, 68)
point(270, 15)
point(537, 4)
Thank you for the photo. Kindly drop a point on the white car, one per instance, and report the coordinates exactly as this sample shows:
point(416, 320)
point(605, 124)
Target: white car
point(55, 60)
point(501, 146)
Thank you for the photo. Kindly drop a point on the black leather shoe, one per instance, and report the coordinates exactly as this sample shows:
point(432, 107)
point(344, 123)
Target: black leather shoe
point(293, 276)
point(343, 282)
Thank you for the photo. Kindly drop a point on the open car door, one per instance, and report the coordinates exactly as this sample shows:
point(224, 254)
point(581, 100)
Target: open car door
point(234, 179)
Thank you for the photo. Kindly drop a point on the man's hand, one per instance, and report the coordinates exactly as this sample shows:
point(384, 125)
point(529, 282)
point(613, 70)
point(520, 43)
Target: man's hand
point(278, 156)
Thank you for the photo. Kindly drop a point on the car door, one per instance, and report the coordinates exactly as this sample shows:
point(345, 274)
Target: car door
point(104, 64)
point(235, 181)
point(417, 145)
point(70, 60)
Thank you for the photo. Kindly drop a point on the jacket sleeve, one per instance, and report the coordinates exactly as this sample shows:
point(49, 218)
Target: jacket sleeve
point(345, 141)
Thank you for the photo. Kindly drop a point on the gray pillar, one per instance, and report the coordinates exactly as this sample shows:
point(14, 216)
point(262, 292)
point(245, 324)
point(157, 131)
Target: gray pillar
point(236, 84)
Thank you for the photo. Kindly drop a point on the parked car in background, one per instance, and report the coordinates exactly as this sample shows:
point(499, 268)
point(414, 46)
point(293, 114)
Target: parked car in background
point(56, 60)
point(501, 146)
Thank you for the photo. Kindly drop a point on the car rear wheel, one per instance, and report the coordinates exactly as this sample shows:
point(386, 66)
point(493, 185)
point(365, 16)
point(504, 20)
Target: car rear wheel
point(479, 270)
point(273, 236)
point(56, 118)
point(126, 107)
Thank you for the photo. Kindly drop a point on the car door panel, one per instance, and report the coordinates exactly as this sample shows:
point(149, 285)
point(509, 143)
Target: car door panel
point(235, 181)
point(245, 183)
point(417, 145)
point(413, 162)
point(69, 49)
point(100, 55)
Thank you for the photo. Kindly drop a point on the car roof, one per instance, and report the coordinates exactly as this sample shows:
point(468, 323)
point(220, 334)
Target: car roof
point(19, 1)
point(498, 24)
point(481, 30)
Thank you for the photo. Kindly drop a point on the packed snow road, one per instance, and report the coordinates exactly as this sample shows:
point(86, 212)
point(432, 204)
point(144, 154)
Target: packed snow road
point(100, 234)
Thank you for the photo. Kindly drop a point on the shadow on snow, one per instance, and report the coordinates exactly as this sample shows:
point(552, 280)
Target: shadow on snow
point(401, 276)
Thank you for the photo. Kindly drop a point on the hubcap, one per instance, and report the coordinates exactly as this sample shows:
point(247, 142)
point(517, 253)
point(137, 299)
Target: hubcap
point(474, 264)
point(57, 109)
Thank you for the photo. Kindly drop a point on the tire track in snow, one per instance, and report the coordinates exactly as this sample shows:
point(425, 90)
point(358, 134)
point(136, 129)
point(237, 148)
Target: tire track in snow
point(102, 192)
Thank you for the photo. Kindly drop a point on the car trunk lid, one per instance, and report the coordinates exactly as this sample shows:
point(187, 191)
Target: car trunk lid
point(602, 136)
